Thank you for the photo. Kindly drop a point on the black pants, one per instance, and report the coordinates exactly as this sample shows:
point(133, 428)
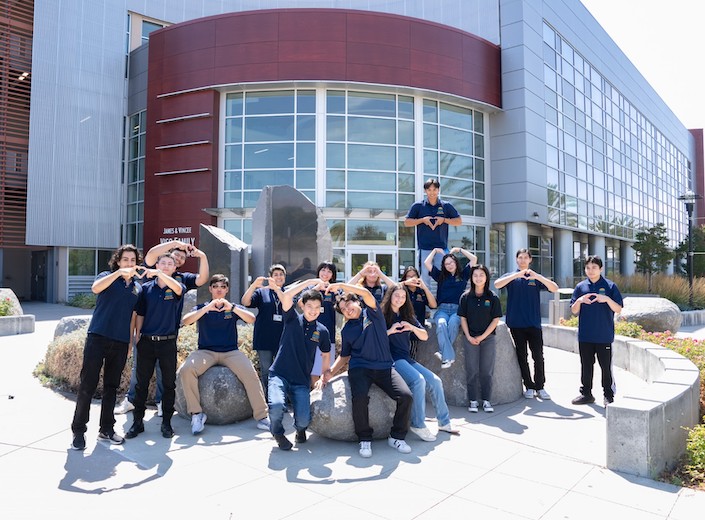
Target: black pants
point(532, 337)
point(99, 353)
point(148, 352)
point(588, 351)
point(393, 385)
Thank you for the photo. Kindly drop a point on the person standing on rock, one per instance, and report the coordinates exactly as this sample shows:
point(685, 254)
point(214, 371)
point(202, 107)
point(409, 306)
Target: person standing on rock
point(109, 334)
point(595, 300)
point(217, 345)
point(524, 288)
point(290, 373)
point(365, 348)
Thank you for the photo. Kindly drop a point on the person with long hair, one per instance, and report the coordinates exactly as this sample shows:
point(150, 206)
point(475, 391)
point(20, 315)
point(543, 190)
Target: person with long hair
point(420, 296)
point(479, 311)
point(401, 324)
point(371, 278)
point(110, 333)
point(452, 281)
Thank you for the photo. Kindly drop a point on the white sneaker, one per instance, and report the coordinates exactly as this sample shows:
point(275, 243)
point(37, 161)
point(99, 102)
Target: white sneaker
point(448, 427)
point(160, 411)
point(473, 406)
point(123, 407)
point(486, 406)
point(424, 433)
point(544, 395)
point(198, 421)
point(366, 449)
point(264, 424)
point(447, 363)
point(399, 445)
point(530, 393)
point(438, 355)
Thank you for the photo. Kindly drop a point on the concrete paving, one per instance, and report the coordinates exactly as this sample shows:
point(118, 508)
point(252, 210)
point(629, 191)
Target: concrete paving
point(528, 460)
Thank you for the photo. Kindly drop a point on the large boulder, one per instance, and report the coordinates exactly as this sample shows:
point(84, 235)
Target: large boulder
point(70, 323)
point(331, 411)
point(653, 314)
point(506, 380)
point(223, 397)
point(15, 307)
point(190, 301)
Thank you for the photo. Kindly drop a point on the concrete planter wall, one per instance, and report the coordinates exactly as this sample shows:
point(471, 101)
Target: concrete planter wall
point(10, 325)
point(646, 433)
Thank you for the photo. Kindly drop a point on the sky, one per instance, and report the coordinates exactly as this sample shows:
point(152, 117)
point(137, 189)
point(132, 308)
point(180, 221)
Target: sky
point(665, 40)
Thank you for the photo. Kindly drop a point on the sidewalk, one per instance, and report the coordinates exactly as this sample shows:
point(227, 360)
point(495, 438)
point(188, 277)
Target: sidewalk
point(530, 459)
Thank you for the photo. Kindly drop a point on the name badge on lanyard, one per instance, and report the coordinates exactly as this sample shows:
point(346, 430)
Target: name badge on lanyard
point(277, 317)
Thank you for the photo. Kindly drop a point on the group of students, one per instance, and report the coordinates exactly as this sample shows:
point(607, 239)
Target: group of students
point(384, 321)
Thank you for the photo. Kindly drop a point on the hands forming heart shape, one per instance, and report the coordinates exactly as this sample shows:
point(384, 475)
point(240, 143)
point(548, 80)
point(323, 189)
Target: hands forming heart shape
point(140, 271)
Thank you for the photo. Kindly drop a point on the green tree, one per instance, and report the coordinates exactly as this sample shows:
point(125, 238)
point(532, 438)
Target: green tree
point(699, 256)
point(652, 253)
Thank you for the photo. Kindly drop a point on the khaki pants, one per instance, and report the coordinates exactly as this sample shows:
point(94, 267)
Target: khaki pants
point(201, 360)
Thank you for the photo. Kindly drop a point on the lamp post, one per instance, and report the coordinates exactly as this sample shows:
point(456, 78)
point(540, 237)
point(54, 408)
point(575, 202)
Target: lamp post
point(689, 197)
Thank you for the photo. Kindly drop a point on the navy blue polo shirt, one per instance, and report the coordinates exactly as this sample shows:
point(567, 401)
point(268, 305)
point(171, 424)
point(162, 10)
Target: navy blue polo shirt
point(452, 287)
point(297, 349)
point(596, 323)
point(524, 303)
point(400, 342)
point(217, 331)
point(365, 341)
point(186, 279)
point(113, 309)
point(269, 323)
point(161, 308)
point(426, 237)
point(479, 311)
point(377, 291)
point(419, 301)
point(327, 316)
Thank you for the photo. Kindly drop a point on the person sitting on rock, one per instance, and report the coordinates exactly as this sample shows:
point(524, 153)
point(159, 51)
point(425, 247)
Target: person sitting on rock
point(290, 373)
point(402, 323)
point(217, 345)
point(365, 348)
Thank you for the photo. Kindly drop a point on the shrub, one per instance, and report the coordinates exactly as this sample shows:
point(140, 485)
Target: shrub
point(674, 288)
point(6, 307)
point(694, 467)
point(83, 300)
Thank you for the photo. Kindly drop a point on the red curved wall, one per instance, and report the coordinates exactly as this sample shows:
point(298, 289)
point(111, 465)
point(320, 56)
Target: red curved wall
point(283, 45)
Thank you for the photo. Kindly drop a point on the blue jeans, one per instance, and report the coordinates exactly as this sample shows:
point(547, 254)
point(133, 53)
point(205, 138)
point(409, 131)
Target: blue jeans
point(425, 275)
point(418, 378)
point(300, 398)
point(447, 326)
point(479, 367)
point(133, 380)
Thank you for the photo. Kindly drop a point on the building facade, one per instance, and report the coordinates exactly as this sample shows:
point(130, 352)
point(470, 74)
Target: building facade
point(148, 121)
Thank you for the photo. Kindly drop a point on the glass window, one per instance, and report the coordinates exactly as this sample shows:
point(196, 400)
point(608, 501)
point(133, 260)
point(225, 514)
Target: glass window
point(306, 101)
point(305, 179)
point(306, 155)
point(374, 157)
point(271, 128)
point(335, 128)
point(430, 111)
point(335, 155)
point(367, 180)
point(233, 157)
point(277, 102)
point(406, 159)
point(233, 130)
point(233, 181)
point(269, 155)
point(306, 128)
point(256, 180)
point(149, 27)
point(456, 140)
point(335, 179)
point(372, 130)
point(372, 232)
point(458, 117)
point(372, 200)
point(369, 104)
point(406, 133)
point(406, 107)
point(82, 262)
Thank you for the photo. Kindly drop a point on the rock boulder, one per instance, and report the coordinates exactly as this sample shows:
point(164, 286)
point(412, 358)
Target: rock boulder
point(70, 323)
point(223, 397)
point(653, 314)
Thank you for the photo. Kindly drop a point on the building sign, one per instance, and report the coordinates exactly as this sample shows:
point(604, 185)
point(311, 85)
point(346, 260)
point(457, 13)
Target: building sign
point(178, 233)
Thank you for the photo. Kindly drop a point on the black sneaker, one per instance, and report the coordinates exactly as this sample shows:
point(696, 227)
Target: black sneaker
point(283, 442)
point(79, 442)
point(300, 436)
point(136, 428)
point(583, 399)
point(167, 431)
point(112, 437)
point(608, 400)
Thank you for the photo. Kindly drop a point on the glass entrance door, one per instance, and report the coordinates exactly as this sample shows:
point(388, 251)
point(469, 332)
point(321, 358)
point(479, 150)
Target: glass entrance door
point(386, 257)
